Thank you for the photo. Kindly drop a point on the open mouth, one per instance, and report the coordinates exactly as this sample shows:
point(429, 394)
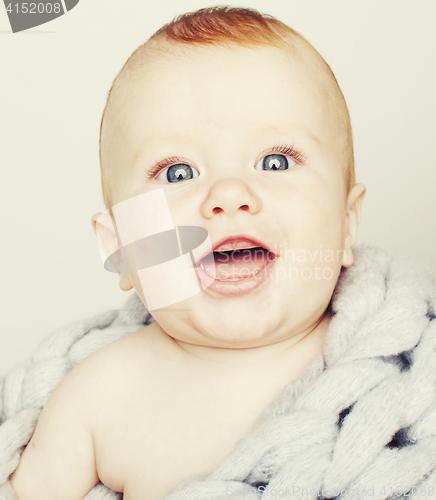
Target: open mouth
point(236, 265)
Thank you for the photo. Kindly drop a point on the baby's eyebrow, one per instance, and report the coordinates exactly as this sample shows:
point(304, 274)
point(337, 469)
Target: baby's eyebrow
point(294, 129)
point(314, 137)
point(147, 145)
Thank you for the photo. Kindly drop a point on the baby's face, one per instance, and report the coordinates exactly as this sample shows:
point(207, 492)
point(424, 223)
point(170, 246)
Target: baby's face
point(222, 112)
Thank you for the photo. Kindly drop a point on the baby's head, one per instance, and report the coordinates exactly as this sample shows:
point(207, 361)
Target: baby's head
point(242, 124)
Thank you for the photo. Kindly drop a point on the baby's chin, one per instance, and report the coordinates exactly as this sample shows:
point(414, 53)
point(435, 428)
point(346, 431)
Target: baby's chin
point(220, 332)
point(238, 340)
point(251, 332)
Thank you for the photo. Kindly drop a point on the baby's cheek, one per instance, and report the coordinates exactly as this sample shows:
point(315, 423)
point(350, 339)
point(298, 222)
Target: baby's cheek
point(313, 253)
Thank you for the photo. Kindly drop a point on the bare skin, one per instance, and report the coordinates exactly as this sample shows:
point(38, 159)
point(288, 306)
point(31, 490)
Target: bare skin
point(200, 409)
point(213, 369)
point(171, 400)
point(155, 414)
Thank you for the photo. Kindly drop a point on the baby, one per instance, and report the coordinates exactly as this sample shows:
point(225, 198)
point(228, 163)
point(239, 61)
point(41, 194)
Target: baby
point(242, 124)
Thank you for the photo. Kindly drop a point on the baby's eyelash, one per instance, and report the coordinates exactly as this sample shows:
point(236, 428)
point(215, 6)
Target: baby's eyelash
point(161, 165)
point(174, 160)
point(286, 150)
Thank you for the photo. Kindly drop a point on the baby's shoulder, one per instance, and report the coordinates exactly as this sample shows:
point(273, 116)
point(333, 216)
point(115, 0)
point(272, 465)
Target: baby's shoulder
point(113, 359)
point(110, 370)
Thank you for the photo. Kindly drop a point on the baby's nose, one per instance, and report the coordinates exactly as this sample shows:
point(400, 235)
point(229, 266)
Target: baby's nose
point(230, 196)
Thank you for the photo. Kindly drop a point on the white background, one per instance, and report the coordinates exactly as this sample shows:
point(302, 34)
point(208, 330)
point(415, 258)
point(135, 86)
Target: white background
point(54, 81)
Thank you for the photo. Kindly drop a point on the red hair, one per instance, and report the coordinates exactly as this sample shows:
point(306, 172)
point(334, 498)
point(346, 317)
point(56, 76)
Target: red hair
point(215, 25)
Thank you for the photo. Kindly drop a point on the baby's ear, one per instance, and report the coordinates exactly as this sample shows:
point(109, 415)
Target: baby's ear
point(354, 216)
point(108, 242)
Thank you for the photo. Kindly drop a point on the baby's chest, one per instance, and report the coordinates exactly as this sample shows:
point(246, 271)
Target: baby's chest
point(151, 440)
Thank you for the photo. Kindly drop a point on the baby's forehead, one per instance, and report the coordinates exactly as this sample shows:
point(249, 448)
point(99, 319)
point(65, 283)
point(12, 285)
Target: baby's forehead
point(163, 61)
point(154, 54)
point(147, 63)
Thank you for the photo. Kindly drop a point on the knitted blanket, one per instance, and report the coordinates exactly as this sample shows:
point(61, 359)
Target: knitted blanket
point(359, 422)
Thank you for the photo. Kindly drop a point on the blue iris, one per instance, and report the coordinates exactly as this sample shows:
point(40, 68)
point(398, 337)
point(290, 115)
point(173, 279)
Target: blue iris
point(179, 172)
point(275, 162)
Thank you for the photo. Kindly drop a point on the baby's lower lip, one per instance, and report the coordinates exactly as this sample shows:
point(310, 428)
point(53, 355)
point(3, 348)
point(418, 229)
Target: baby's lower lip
point(236, 287)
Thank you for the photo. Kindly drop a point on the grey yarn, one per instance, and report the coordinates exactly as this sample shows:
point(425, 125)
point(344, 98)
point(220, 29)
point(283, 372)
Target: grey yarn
point(360, 419)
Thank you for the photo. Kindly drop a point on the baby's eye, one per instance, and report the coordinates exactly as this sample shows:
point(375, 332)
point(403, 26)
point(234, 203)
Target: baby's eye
point(178, 172)
point(275, 162)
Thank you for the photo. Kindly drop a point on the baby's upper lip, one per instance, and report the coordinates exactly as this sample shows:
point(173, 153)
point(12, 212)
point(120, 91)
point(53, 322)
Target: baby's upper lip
point(236, 242)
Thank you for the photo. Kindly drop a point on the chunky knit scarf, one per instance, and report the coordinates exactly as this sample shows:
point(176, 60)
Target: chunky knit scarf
point(360, 422)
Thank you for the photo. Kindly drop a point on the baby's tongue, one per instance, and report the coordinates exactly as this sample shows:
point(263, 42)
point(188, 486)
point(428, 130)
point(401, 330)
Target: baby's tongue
point(236, 264)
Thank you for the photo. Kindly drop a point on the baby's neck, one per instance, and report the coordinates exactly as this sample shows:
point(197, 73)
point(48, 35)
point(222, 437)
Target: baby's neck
point(304, 344)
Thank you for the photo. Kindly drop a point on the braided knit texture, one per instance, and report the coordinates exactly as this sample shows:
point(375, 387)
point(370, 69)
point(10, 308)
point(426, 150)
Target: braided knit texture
point(360, 421)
